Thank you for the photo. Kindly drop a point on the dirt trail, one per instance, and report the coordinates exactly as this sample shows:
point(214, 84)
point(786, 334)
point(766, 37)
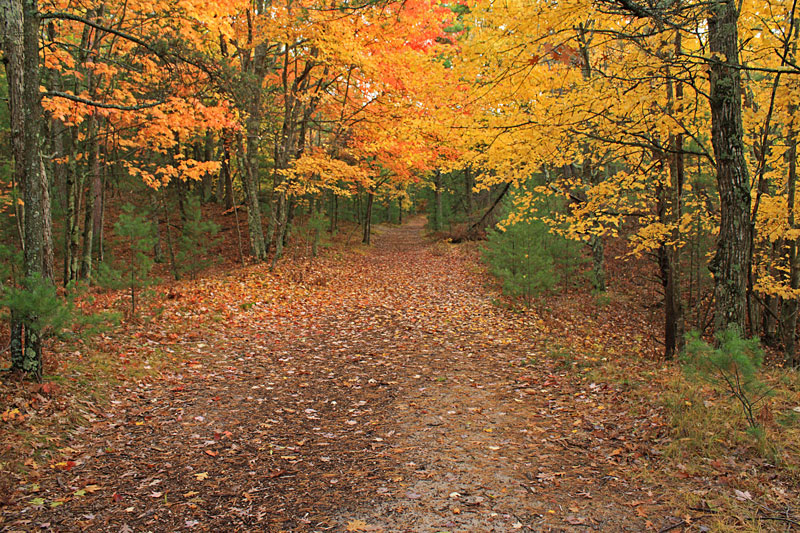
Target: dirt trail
point(486, 444)
point(392, 397)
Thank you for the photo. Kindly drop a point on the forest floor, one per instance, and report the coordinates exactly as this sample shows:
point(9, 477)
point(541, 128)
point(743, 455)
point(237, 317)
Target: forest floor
point(380, 389)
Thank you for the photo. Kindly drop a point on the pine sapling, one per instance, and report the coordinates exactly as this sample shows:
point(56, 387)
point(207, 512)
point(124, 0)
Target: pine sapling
point(132, 273)
point(733, 366)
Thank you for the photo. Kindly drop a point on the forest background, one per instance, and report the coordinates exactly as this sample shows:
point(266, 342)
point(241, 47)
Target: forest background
point(136, 132)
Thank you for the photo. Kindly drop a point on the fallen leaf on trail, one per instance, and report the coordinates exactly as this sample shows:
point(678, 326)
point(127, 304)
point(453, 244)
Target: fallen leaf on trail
point(64, 465)
point(356, 525)
point(742, 496)
point(212, 453)
point(201, 476)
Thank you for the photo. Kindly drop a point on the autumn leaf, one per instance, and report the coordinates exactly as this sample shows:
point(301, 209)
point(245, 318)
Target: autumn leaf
point(357, 525)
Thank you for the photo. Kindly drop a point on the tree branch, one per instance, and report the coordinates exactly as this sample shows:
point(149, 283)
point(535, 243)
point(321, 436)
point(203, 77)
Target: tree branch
point(60, 15)
point(102, 105)
point(163, 54)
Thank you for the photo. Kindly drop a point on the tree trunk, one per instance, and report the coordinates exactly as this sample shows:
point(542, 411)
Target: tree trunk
point(100, 222)
point(98, 182)
point(208, 179)
point(58, 133)
point(92, 200)
point(72, 229)
point(770, 335)
point(468, 184)
point(437, 192)
point(731, 261)
point(598, 248)
point(368, 218)
point(287, 227)
point(48, 255)
point(226, 178)
point(590, 175)
point(790, 305)
point(333, 212)
point(280, 220)
point(15, 344)
point(249, 174)
point(674, 326)
point(168, 228)
point(13, 52)
point(33, 193)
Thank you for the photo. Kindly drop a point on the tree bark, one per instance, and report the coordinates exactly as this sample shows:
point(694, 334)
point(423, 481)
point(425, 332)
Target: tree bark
point(670, 214)
point(35, 213)
point(731, 261)
point(287, 226)
point(368, 218)
point(226, 177)
point(254, 68)
point(278, 222)
point(13, 52)
point(437, 197)
point(92, 200)
point(72, 229)
point(168, 228)
point(208, 179)
point(468, 184)
point(48, 255)
point(249, 175)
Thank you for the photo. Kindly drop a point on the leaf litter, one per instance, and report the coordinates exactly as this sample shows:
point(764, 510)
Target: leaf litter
point(380, 392)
